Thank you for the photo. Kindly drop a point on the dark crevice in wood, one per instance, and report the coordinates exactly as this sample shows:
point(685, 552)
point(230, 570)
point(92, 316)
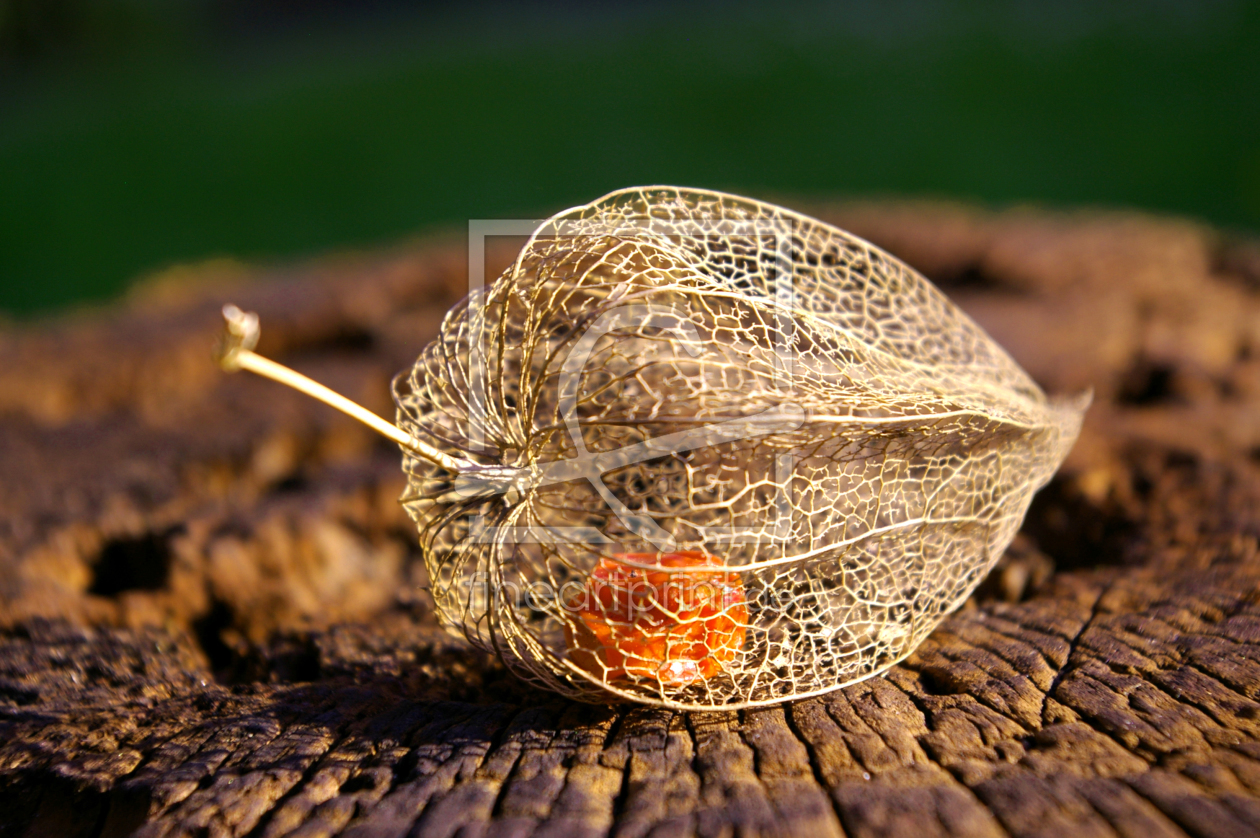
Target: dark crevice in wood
point(1073, 643)
point(345, 340)
point(939, 683)
point(688, 724)
point(139, 563)
point(955, 774)
point(208, 630)
point(316, 764)
point(496, 809)
point(975, 277)
point(1076, 532)
point(1012, 660)
point(815, 765)
point(992, 619)
point(1148, 384)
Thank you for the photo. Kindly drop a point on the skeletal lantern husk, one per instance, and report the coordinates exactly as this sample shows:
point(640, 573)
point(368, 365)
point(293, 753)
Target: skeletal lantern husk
point(669, 371)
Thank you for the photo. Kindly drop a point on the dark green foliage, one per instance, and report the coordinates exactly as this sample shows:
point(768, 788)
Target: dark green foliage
point(134, 135)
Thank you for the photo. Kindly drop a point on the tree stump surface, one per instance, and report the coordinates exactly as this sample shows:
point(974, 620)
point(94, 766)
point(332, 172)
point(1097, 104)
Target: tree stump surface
point(213, 619)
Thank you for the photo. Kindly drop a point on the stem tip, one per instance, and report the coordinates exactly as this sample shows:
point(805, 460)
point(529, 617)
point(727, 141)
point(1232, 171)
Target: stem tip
point(240, 334)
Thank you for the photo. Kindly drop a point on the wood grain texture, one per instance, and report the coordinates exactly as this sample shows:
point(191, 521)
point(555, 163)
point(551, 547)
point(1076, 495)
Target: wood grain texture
point(213, 622)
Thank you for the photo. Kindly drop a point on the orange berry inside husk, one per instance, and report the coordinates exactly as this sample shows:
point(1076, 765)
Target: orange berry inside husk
point(676, 622)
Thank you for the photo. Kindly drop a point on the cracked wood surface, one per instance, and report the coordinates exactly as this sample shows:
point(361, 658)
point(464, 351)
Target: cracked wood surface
point(213, 618)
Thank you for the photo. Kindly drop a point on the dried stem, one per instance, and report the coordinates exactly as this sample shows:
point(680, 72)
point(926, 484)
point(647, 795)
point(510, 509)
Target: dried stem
point(236, 352)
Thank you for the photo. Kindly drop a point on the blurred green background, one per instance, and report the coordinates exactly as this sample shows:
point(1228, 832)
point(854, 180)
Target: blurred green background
point(137, 134)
